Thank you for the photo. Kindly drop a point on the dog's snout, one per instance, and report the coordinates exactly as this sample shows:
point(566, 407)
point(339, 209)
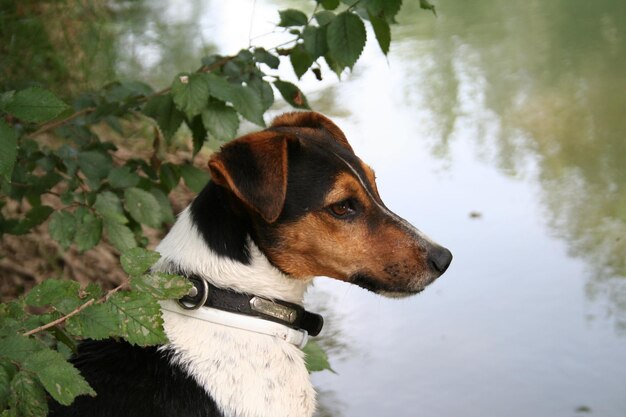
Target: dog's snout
point(439, 259)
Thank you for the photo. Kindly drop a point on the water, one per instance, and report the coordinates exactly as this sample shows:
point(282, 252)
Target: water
point(498, 128)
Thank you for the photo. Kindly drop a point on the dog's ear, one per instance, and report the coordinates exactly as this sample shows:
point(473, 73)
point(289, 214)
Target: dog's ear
point(254, 168)
point(312, 120)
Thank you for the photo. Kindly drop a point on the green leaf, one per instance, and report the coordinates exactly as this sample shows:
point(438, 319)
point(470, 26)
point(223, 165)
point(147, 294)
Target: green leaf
point(17, 348)
point(162, 286)
point(95, 165)
point(8, 150)
point(96, 322)
point(119, 235)
point(5, 387)
point(62, 227)
point(164, 111)
point(220, 120)
point(264, 91)
point(324, 17)
point(140, 318)
point(264, 57)
point(63, 295)
point(292, 94)
point(167, 213)
point(244, 99)
point(109, 206)
point(426, 5)
point(190, 93)
point(195, 178)
point(35, 105)
point(143, 207)
point(315, 41)
point(136, 261)
point(315, 357)
point(88, 230)
point(169, 175)
point(292, 17)
point(34, 217)
point(28, 398)
point(123, 177)
point(382, 32)
point(329, 4)
point(62, 381)
point(384, 9)
point(346, 38)
point(198, 133)
point(300, 60)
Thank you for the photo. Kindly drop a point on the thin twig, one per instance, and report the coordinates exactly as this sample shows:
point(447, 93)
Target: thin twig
point(61, 122)
point(75, 312)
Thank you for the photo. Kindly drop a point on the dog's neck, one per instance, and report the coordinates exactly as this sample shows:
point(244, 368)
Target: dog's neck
point(184, 250)
point(247, 374)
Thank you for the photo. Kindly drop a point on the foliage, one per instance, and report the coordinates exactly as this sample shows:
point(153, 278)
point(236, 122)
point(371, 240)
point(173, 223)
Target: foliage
point(58, 164)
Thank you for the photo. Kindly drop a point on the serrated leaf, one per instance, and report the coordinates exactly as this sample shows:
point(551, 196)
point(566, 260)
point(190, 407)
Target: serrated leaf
point(244, 99)
point(136, 261)
point(425, 4)
point(382, 32)
point(28, 397)
point(167, 213)
point(109, 206)
point(315, 357)
point(62, 227)
point(195, 178)
point(88, 231)
point(292, 94)
point(346, 38)
point(62, 381)
point(17, 348)
point(300, 59)
point(164, 111)
point(35, 105)
point(123, 177)
point(324, 17)
point(34, 217)
point(264, 91)
point(190, 93)
point(263, 56)
point(292, 17)
point(220, 120)
point(8, 150)
point(198, 133)
point(63, 295)
point(140, 318)
point(95, 165)
point(384, 9)
point(315, 41)
point(142, 206)
point(169, 175)
point(96, 322)
point(162, 286)
point(119, 235)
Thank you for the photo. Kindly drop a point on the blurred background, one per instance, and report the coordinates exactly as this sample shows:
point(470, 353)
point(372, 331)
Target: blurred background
point(497, 127)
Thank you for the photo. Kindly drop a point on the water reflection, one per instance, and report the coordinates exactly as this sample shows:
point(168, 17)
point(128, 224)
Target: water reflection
point(541, 81)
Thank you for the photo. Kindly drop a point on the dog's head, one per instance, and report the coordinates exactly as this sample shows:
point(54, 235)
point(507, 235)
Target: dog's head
point(315, 209)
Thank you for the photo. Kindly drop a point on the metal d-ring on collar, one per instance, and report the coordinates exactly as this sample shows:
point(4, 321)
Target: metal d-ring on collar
point(195, 299)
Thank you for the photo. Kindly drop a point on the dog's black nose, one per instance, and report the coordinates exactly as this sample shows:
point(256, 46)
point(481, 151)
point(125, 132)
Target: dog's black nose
point(439, 259)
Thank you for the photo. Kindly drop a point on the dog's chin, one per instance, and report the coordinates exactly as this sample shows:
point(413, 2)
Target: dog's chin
point(385, 289)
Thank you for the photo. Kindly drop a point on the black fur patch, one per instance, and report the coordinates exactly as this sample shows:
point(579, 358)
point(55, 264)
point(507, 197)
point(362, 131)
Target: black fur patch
point(132, 381)
point(223, 225)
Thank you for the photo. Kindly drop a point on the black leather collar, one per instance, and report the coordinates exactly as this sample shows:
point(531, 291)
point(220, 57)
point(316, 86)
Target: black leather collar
point(283, 312)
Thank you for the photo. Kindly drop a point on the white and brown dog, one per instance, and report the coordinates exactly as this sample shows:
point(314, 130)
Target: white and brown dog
point(284, 205)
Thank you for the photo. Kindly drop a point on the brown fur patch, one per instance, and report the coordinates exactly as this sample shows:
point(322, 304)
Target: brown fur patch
point(314, 121)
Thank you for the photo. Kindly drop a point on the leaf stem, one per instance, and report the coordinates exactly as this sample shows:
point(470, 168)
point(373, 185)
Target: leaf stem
point(80, 308)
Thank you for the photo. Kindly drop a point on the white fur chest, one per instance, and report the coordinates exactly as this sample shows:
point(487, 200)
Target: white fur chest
point(247, 374)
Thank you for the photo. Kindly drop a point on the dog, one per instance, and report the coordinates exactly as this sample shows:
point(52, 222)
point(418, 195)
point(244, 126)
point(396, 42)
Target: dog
point(283, 205)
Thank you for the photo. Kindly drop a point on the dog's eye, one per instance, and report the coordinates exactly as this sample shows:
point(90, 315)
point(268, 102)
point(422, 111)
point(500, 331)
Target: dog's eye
point(342, 209)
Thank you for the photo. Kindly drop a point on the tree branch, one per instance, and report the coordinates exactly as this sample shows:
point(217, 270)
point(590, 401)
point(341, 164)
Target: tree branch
point(75, 312)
